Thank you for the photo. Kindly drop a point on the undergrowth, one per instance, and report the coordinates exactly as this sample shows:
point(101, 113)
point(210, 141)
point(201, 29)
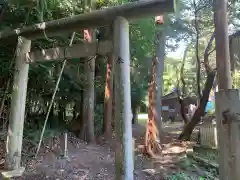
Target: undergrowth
point(183, 176)
point(33, 129)
point(34, 134)
point(191, 170)
point(98, 119)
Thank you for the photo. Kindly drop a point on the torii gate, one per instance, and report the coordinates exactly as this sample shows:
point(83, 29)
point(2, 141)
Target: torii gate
point(119, 15)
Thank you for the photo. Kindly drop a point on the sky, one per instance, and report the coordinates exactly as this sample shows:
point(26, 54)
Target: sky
point(179, 51)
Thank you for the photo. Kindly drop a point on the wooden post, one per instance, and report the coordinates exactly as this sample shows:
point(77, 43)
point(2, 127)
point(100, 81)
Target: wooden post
point(123, 115)
point(228, 123)
point(222, 45)
point(18, 102)
point(227, 99)
point(66, 145)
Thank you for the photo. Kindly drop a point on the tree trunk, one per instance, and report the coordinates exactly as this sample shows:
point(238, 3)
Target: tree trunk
point(182, 110)
point(113, 102)
point(108, 99)
point(222, 45)
point(89, 95)
point(53, 121)
point(160, 55)
point(152, 135)
point(83, 117)
point(74, 112)
point(198, 62)
point(61, 112)
point(77, 123)
point(135, 113)
point(90, 99)
point(181, 93)
point(186, 134)
point(159, 78)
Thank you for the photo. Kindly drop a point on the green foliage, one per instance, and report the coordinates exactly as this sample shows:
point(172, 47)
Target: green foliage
point(105, 3)
point(171, 73)
point(179, 176)
point(236, 79)
point(193, 31)
point(43, 77)
point(33, 135)
point(142, 34)
point(183, 176)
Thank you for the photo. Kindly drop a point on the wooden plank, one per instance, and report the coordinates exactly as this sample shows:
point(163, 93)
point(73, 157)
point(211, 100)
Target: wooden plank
point(75, 51)
point(94, 19)
point(228, 127)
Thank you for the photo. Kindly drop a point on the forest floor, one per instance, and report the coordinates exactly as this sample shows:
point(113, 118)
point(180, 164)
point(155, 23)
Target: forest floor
point(96, 162)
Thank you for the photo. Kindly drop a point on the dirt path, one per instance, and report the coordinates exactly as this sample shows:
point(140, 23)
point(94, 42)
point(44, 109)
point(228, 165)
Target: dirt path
point(173, 151)
point(96, 162)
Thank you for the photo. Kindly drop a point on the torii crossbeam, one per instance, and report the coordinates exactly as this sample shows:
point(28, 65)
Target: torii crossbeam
point(94, 19)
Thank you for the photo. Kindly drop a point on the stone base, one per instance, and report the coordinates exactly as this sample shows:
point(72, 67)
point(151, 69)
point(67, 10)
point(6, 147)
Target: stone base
point(13, 173)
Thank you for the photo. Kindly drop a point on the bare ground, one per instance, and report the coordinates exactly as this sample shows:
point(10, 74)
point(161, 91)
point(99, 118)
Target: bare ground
point(96, 162)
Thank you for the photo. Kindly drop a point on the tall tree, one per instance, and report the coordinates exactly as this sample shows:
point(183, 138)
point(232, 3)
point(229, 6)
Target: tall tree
point(197, 33)
point(152, 142)
point(181, 93)
point(154, 123)
point(108, 88)
point(160, 55)
point(199, 112)
point(222, 44)
point(88, 113)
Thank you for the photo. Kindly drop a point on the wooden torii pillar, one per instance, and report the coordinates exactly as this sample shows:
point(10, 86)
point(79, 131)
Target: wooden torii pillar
point(18, 103)
point(99, 18)
point(123, 110)
point(227, 101)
